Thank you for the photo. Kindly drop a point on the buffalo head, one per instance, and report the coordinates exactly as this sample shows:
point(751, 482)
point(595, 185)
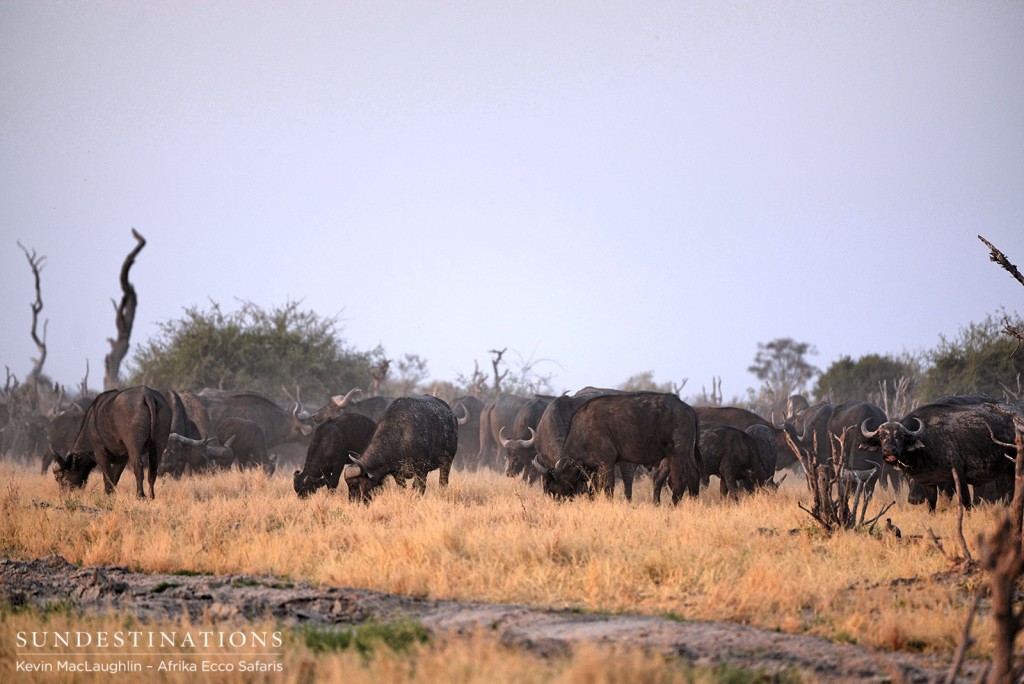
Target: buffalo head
point(361, 482)
point(73, 471)
point(519, 452)
point(895, 440)
point(307, 484)
point(566, 480)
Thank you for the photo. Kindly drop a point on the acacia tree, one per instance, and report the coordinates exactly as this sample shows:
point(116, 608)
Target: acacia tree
point(783, 369)
point(253, 349)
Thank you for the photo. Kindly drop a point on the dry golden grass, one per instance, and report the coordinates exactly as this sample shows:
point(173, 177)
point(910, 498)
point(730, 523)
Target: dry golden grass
point(761, 561)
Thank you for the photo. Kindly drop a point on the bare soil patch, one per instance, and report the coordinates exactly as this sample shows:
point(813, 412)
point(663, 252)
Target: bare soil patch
point(240, 598)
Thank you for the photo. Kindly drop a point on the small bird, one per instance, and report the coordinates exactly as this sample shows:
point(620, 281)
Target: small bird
point(892, 528)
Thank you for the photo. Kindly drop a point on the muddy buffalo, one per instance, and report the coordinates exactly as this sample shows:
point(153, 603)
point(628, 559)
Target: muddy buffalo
point(415, 436)
point(328, 452)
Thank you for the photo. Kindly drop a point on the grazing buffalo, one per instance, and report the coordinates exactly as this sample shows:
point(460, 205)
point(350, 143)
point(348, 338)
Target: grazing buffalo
point(553, 427)
point(733, 456)
point(467, 410)
point(61, 434)
point(415, 435)
point(518, 440)
point(742, 419)
point(934, 440)
point(642, 428)
point(277, 424)
point(328, 451)
point(767, 442)
point(248, 444)
point(190, 447)
point(499, 412)
point(121, 428)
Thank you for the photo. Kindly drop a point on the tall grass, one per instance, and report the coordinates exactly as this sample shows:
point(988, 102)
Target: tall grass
point(761, 561)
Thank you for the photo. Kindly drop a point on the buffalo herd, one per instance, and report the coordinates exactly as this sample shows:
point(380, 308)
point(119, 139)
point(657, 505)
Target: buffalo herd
point(568, 445)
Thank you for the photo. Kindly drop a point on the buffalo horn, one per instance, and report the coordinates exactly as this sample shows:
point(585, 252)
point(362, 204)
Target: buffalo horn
point(527, 443)
point(342, 401)
point(864, 429)
point(501, 438)
point(184, 440)
point(227, 444)
point(539, 468)
point(919, 430)
point(465, 415)
point(61, 461)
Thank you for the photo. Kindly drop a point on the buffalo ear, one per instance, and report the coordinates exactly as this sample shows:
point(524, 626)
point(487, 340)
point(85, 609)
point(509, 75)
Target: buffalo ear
point(868, 447)
point(916, 445)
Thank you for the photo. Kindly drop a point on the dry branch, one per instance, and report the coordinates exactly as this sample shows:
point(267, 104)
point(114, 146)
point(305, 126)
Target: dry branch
point(36, 263)
point(125, 319)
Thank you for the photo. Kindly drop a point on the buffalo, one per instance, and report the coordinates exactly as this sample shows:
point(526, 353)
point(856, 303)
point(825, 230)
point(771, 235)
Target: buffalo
point(934, 440)
point(328, 451)
point(499, 412)
point(248, 444)
point(190, 447)
point(121, 428)
point(467, 410)
point(277, 424)
point(415, 436)
point(642, 428)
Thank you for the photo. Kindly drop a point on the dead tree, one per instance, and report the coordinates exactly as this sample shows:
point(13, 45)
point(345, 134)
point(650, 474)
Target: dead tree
point(1000, 258)
point(495, 362)
point(36, 263)
point(833, 484)
point(125, 319)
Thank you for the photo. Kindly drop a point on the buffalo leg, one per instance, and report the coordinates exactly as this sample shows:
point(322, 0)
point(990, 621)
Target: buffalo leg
point(658, 479)
point(444, 472)
point(675, 479)
point(628, 472)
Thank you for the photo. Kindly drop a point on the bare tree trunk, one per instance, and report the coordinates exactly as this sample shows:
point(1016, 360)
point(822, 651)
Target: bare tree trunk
point(494, 363)
point(125, 319)
point(36, 263)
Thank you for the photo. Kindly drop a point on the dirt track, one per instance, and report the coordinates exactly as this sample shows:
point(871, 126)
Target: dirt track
point(244, 597)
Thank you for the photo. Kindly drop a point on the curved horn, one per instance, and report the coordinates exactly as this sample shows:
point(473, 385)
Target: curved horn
point(465, 415)
point(501, 438)
point(184, 440)
point(864, 429)
point(527, 443)
point(342, 401)
point(539, 468)
point(918, 431)
point(227, 444)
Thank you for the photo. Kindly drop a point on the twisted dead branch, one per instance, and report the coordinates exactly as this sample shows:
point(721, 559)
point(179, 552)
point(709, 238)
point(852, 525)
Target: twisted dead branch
point(124, 319)
point(36, 263)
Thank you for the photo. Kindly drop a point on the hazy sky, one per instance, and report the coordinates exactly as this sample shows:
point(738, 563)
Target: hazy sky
point(610, 187)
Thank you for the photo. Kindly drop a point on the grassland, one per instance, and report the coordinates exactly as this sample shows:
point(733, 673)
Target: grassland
point(761, 561)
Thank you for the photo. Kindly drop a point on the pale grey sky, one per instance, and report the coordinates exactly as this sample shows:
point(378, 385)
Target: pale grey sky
point(614, 186)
